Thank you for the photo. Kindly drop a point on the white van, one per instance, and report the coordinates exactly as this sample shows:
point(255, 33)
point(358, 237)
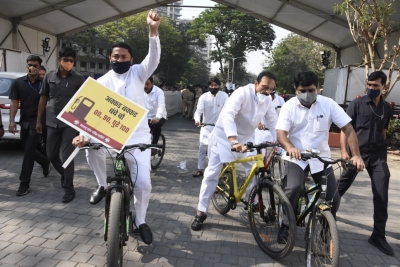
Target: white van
point(6, 80)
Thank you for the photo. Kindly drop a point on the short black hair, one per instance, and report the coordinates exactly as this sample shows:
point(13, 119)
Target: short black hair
point(266, 73)
point(34, 58)
point(376, 75)
point(67, 52)
point(151, 79)
point(305, 78)
point(43, 68)
point(123, 45)
point(214, 79)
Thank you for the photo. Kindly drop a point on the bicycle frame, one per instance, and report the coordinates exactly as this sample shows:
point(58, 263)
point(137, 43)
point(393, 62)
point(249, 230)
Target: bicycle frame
point(238, 193)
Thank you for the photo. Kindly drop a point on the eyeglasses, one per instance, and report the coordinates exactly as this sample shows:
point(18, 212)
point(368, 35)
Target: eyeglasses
point(64, 59)
point(32, 65)
point(306, 90)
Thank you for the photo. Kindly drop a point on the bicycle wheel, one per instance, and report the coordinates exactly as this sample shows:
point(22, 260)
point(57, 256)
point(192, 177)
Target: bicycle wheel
point(276, 208)
point(115, 230)
point(322, 248)
point(159, 155)
point(220, 198)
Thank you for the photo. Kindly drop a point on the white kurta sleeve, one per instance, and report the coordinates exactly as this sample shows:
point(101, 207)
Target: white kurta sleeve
point(285, 117)
point(151, 61)
point(199, 109)
point(228, 114)
point(161, 111)
point(271, 119)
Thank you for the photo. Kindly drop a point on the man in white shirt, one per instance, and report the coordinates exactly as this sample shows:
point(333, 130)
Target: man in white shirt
point(128, 81)
point(155, 103)
point(261, 133)
point(242, 112)
point(209, 105)
point(303, 124)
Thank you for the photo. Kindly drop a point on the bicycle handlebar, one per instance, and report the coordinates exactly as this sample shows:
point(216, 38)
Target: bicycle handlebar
point(310, 155)
point(142, 147)
point(206, 124)
point(251, 146)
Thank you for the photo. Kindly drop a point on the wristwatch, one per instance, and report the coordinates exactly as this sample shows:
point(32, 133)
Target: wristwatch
point(234, 142)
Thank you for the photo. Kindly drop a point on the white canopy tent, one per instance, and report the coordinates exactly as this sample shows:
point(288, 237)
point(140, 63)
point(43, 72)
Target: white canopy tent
point(314, 19)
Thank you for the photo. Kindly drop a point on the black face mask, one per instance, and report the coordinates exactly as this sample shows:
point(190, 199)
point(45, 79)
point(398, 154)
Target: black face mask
point(120, 67)
point(214, 91)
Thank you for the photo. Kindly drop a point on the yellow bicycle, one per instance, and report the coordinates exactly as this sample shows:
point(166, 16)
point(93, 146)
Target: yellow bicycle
point(268, 207)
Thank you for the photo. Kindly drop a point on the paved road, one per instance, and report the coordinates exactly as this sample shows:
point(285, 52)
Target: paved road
point(39, 230)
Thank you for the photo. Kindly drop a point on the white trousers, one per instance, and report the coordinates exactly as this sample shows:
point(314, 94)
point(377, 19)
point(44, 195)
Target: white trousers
point(139, 165)
point(202, 156)
point(210, 179)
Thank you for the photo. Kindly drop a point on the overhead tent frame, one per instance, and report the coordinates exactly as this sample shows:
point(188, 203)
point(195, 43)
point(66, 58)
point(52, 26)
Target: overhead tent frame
point(313, 19)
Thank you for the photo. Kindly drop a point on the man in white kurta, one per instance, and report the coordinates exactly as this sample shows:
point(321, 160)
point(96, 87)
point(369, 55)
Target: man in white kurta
point(209, 105)
point(129, 81)
point(243, 111)
point(155, 103)
point(303, 124)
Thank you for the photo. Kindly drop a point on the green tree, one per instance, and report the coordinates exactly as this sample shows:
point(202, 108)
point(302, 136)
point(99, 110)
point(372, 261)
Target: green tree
point(370, 23)
point(177, 55)
point(234, 32)
point(293, 54)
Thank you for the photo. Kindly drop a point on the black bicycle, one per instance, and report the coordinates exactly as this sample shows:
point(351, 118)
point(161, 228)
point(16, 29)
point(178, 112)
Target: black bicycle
point(119, 194)
point(322, 239)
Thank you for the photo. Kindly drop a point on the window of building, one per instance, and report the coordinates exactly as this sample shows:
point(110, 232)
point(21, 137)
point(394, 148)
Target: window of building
point(92, 65)
point(84, 49)
point(101, 51)
point(100, 66)
point(93, 50)
point(83, 64)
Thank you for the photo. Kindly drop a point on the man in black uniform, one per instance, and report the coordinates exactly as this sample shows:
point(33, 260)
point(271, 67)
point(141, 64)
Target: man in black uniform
point(59, 86)
point(370, 116)
point(26, 90)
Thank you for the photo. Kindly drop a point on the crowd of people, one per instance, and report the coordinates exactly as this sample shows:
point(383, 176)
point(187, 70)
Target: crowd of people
point(230, 120)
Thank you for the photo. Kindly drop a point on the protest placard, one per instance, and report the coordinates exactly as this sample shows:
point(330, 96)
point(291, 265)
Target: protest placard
point(103, 114)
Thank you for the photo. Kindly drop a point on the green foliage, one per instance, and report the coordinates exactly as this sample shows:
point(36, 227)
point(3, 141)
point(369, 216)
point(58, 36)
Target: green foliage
point(177, 56)
point(393, 125)
point(293, 54)
point(235, 33)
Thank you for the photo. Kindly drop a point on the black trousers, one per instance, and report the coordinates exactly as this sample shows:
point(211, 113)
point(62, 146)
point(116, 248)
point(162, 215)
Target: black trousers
point(295, 180)
point(379, 175)
point(59, 142)
point(156, 130)
point(30, 141)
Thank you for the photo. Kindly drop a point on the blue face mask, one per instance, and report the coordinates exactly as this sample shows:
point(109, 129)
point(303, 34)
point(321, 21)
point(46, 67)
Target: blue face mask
point(373, 93)
point(121, 67)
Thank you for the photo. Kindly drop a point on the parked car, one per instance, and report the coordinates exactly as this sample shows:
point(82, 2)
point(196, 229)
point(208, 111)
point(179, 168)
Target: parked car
point(6, 80)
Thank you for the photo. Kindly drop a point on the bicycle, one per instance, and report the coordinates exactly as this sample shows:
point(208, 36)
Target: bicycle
point(265, 204)
point(158, 155)
point(322, 239)
point(119, 194)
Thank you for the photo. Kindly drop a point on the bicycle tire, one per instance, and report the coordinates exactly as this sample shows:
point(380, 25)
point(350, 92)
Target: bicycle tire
point(115, 230)
point(220, 198)
point(265, 230)
point(278, 172)
point(158, 157)
point(322, 242)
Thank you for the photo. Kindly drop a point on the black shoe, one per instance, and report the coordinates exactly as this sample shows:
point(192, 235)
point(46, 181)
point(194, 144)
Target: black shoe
point(68, 197)
point(97, 195)
point(197, 224)
point(381, 244)
point(22, 190)
point(144, 231)
point(283, 234)
point(46, 170)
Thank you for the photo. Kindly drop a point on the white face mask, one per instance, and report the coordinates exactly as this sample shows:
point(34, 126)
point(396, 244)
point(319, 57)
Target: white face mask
point(261, 98)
